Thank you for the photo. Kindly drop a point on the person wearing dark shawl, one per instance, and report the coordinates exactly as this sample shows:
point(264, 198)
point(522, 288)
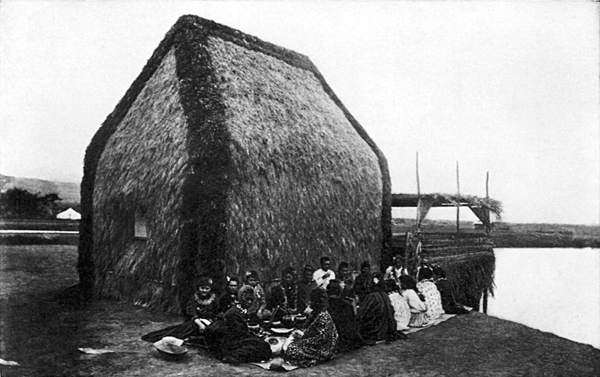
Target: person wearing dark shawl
point(203, 303)
point(319, 341)
point(363, 282)
point(230, 340)
point(342, 313)
point(201, 306)
point(376, 315)
point(445, 288)
point(229, 298)
point(305, 286)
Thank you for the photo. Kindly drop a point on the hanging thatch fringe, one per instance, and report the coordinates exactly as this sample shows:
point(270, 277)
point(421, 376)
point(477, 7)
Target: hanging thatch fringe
point(471, 275)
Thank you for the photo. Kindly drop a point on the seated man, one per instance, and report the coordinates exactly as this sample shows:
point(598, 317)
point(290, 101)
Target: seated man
point(343, 316)
point(323, 275)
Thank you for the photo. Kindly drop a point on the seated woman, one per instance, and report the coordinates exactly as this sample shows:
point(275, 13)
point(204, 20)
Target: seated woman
point(399, 303)
point(449, 303)
point(408, 289)
point(376, 315)
point(433, 300)
point(342, 313)
point(229, 338)
point(283, 297)
point(203, 303)
point(257, 310)
point(318, 342)
point(200, 309)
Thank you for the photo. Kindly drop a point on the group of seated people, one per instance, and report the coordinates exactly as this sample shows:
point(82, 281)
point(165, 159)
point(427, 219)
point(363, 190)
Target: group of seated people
point(342, 312)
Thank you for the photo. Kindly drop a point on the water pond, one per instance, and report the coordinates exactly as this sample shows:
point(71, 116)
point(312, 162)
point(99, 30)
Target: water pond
point(550, 289)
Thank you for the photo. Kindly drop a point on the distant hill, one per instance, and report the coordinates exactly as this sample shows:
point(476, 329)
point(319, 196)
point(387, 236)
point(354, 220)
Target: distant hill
point(67, 191)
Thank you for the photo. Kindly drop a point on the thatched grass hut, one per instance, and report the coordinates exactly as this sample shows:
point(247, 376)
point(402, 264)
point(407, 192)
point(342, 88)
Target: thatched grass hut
point(226, 153)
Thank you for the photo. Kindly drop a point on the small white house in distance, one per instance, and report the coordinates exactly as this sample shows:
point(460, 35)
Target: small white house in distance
point(69, 214)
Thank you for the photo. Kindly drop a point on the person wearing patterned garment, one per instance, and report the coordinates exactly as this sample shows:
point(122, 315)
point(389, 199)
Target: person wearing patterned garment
point(257, 310)
point(433, 299)
point(319, 341)
point(400, 305)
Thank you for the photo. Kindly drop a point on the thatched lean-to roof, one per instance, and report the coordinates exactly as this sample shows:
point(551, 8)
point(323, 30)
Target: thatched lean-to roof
point(448, 200)
point(238, 154)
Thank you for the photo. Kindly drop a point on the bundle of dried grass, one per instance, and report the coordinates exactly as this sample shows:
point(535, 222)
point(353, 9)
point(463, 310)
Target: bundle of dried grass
point(236, 153)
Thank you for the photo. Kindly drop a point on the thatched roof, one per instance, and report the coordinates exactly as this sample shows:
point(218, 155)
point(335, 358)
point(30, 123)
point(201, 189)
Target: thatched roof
point(448, 200)
point(274, 170)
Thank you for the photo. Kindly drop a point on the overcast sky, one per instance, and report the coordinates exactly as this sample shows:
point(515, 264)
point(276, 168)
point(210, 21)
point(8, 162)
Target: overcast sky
point(508, 87)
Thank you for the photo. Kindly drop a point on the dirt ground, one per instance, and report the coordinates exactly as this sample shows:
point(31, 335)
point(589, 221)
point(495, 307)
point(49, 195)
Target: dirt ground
point(42, 333)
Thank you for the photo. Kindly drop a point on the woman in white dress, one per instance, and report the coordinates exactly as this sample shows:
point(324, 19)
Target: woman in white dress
point(418, 309)
point(400, 305)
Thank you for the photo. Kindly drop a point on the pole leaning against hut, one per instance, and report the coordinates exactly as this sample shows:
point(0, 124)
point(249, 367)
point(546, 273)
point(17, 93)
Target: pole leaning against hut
point(226, 154)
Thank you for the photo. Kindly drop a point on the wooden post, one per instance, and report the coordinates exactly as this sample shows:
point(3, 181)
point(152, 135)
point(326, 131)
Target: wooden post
point(458, 199)
point(488, 229)
point(418, 194)
point(488, 226)
point(485, 302)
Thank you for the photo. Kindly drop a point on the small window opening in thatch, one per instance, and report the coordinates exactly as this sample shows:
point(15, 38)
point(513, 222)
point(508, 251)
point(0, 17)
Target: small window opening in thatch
point(140, 227)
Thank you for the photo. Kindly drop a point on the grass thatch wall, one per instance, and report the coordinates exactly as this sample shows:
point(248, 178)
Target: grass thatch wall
point(142, 170)
point(271, 172)
point(303, 181)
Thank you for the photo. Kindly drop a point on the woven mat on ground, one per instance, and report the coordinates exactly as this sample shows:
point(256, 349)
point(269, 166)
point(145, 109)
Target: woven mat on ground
point(440, 319)
point(276, 363)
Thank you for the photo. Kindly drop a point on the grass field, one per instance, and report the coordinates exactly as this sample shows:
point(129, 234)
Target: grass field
point(42, 332)
point(38, 224)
